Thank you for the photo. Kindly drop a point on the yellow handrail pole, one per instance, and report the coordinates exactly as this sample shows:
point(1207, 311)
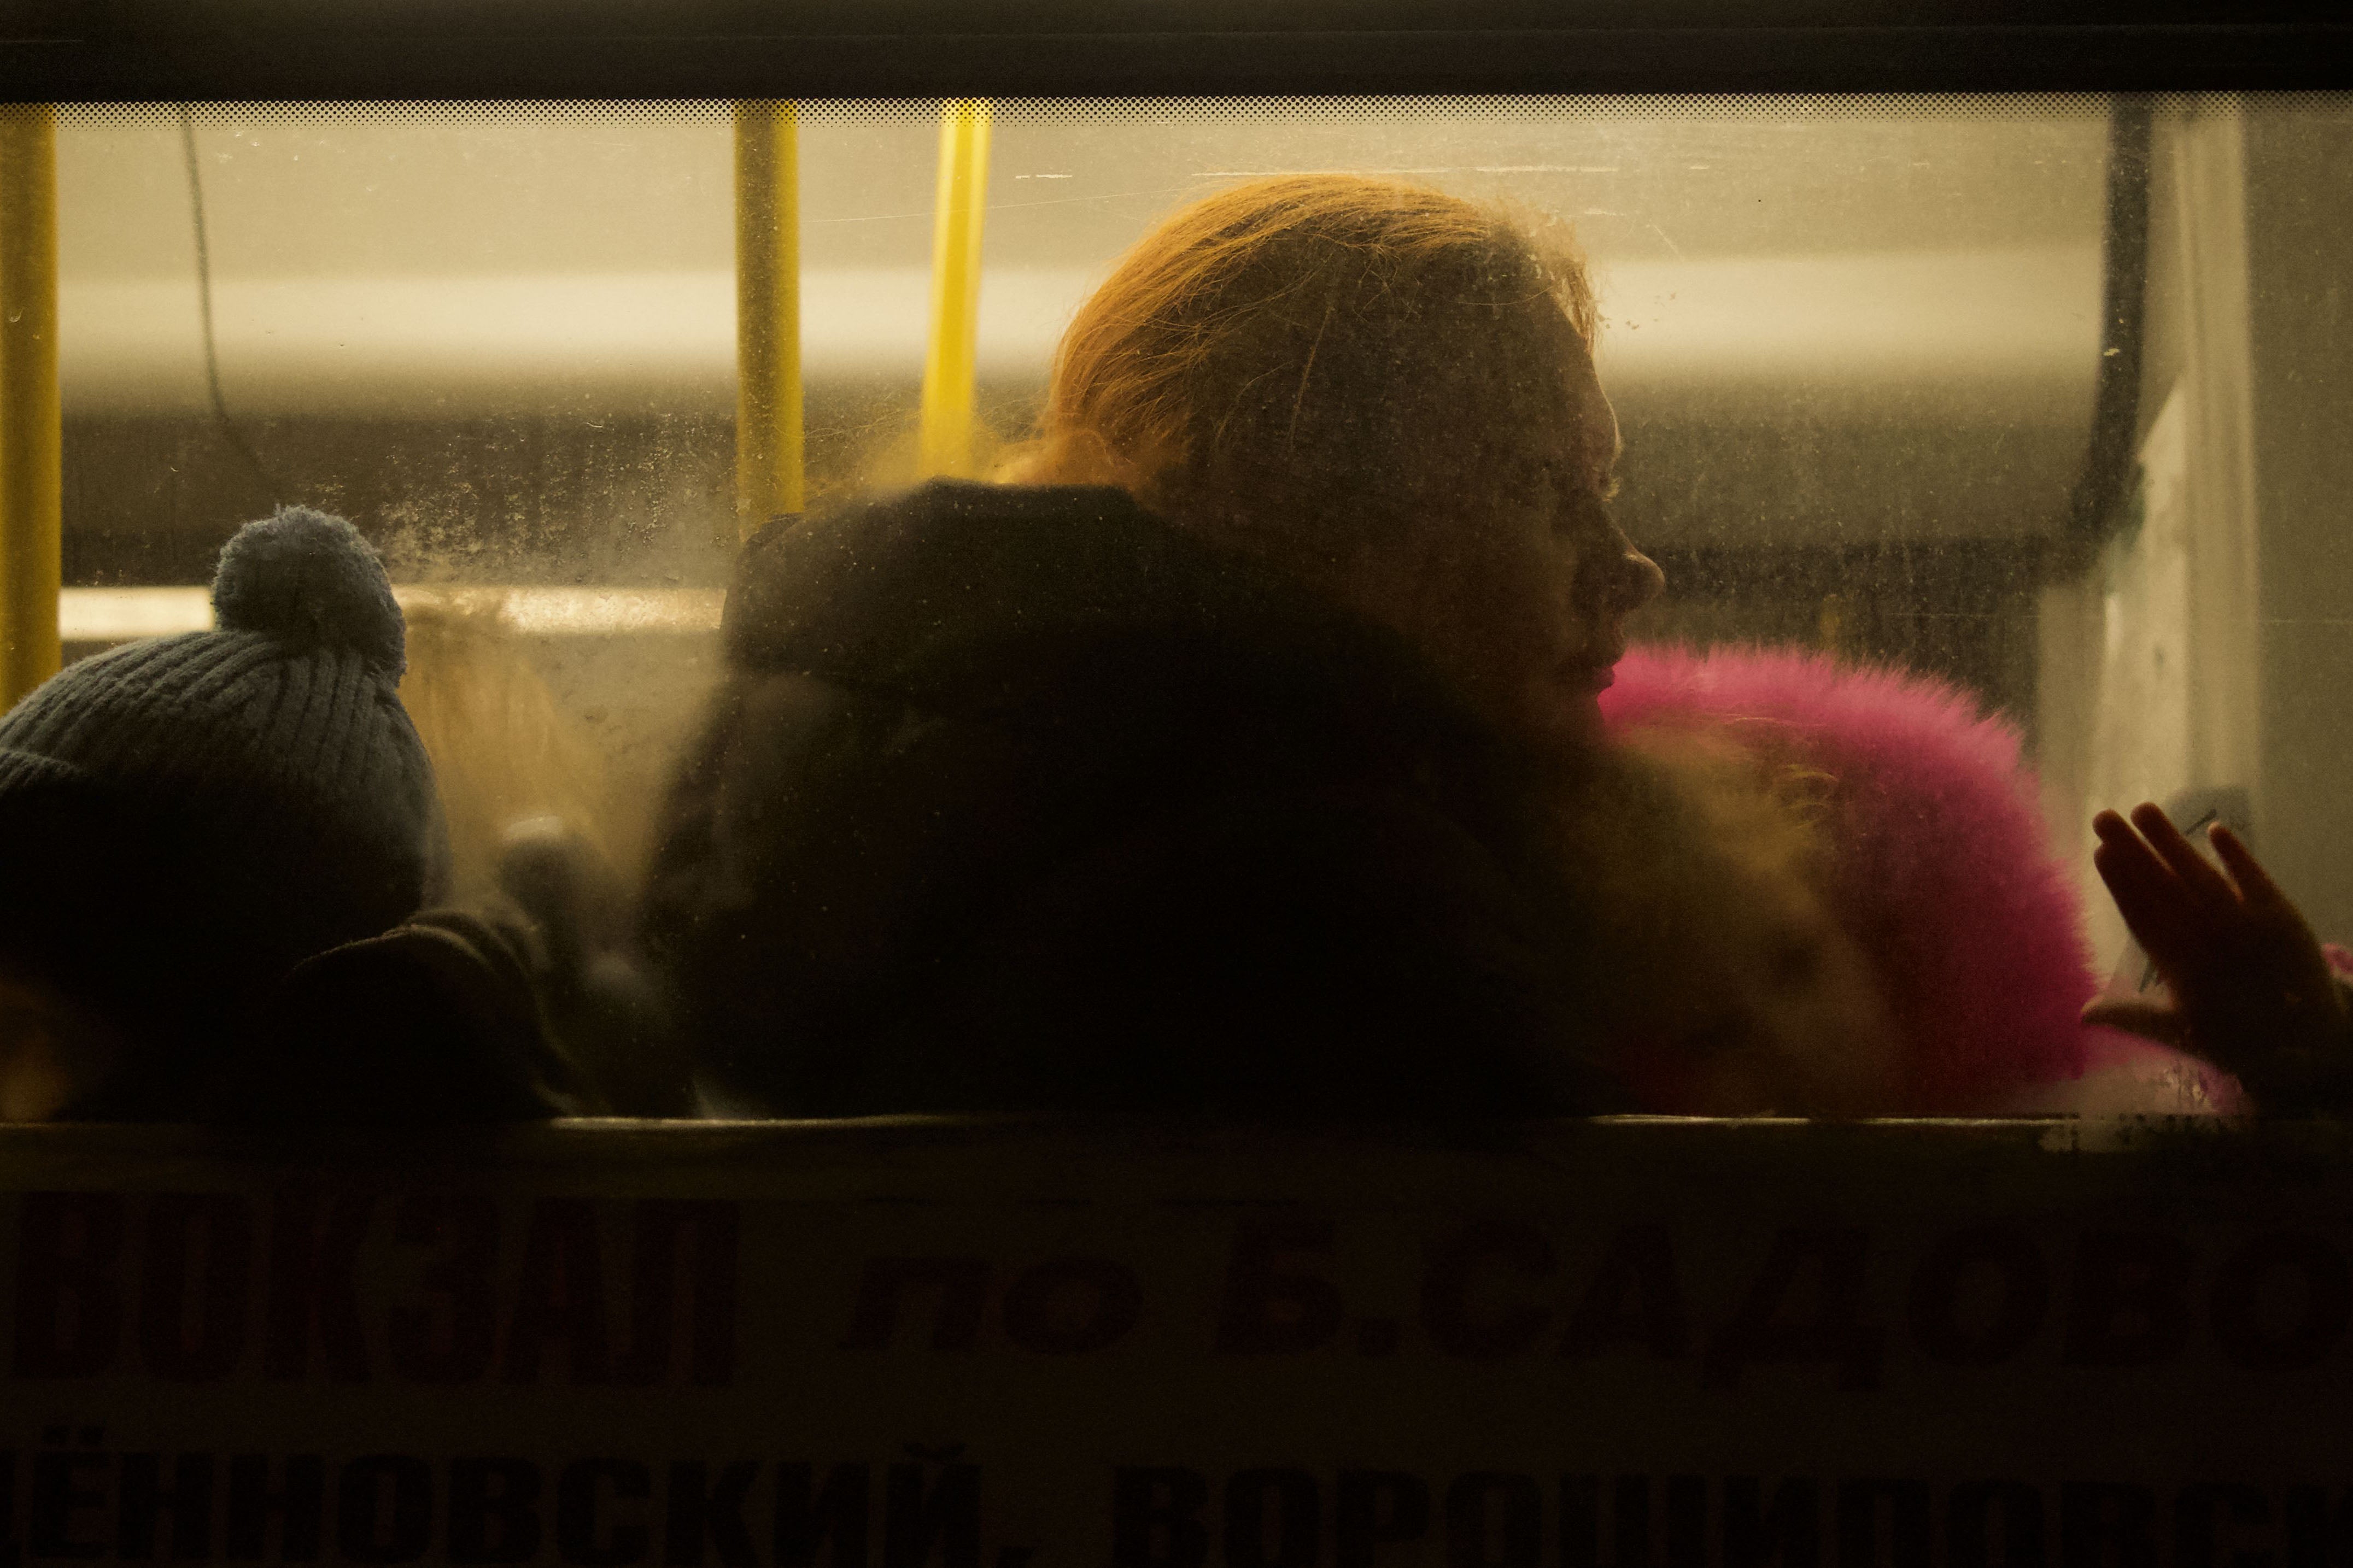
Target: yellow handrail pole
point(31, 439)
point(946, 445)
point(768, 445)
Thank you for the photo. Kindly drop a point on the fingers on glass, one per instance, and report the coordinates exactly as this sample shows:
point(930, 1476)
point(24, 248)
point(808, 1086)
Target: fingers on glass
point(2255, 884)
point(2203, 879)
point(2161, 913)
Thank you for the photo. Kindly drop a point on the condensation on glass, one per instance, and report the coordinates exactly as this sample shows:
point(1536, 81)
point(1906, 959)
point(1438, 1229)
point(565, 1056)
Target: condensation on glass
point(1856, 347)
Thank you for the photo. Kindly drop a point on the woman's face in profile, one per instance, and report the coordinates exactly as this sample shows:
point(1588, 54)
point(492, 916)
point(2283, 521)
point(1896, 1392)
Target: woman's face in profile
point(1525, 579)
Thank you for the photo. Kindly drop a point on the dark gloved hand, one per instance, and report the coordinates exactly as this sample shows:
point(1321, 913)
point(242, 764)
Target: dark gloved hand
point(434, 1022)
point(601, 1010)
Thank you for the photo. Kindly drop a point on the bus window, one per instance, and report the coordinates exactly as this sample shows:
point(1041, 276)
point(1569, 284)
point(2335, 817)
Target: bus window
point(2030, 395)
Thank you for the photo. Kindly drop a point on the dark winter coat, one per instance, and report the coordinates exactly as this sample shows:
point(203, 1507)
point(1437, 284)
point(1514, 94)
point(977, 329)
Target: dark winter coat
point(1019, 799)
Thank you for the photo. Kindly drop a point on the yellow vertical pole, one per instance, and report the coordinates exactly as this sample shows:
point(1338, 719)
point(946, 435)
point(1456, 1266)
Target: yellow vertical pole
point(768, 450)
point(947, 441)
point(31, 441)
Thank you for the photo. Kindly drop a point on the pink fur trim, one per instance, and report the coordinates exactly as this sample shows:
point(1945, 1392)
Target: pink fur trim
point(1943, 868)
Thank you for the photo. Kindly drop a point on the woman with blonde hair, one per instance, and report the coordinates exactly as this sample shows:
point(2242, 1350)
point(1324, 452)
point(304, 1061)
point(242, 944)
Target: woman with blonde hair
point(524, 796)
point(1212, 768)
point(1388, 393)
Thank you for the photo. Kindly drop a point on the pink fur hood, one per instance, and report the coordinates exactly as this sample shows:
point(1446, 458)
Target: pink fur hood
point(1943, 870)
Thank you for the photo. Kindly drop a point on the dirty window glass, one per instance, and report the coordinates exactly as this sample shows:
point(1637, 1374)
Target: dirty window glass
point(2040, 397)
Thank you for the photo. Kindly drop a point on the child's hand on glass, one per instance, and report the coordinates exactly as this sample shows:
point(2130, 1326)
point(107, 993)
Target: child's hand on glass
point(2251, 989)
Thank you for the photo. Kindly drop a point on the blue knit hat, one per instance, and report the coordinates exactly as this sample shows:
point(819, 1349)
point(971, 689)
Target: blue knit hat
point(256, 793)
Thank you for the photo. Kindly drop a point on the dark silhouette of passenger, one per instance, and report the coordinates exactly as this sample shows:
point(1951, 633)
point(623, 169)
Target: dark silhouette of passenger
point(1214, 768)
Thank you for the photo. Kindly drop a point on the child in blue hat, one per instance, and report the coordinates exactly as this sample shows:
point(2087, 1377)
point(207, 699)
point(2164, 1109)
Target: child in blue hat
point(186, 821)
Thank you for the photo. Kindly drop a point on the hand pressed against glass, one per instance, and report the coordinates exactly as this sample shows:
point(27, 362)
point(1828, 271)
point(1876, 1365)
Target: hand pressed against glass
point(2251, 989)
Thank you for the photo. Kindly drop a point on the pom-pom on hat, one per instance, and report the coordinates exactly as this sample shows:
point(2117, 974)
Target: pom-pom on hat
point(281, 798)
point(310, 581)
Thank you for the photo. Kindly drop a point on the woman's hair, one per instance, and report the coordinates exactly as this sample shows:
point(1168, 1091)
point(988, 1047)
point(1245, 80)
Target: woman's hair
point(1286, 359)
point(501, 746)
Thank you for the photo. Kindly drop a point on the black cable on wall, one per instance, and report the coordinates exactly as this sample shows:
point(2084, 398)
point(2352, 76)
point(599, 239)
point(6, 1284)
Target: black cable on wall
point(221, 419)
point(2109, 460)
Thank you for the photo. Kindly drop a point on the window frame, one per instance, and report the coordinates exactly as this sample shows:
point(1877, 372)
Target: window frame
point(120, 50)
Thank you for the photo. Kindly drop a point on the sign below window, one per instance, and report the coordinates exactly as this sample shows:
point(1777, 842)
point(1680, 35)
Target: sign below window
point(902, 1344)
